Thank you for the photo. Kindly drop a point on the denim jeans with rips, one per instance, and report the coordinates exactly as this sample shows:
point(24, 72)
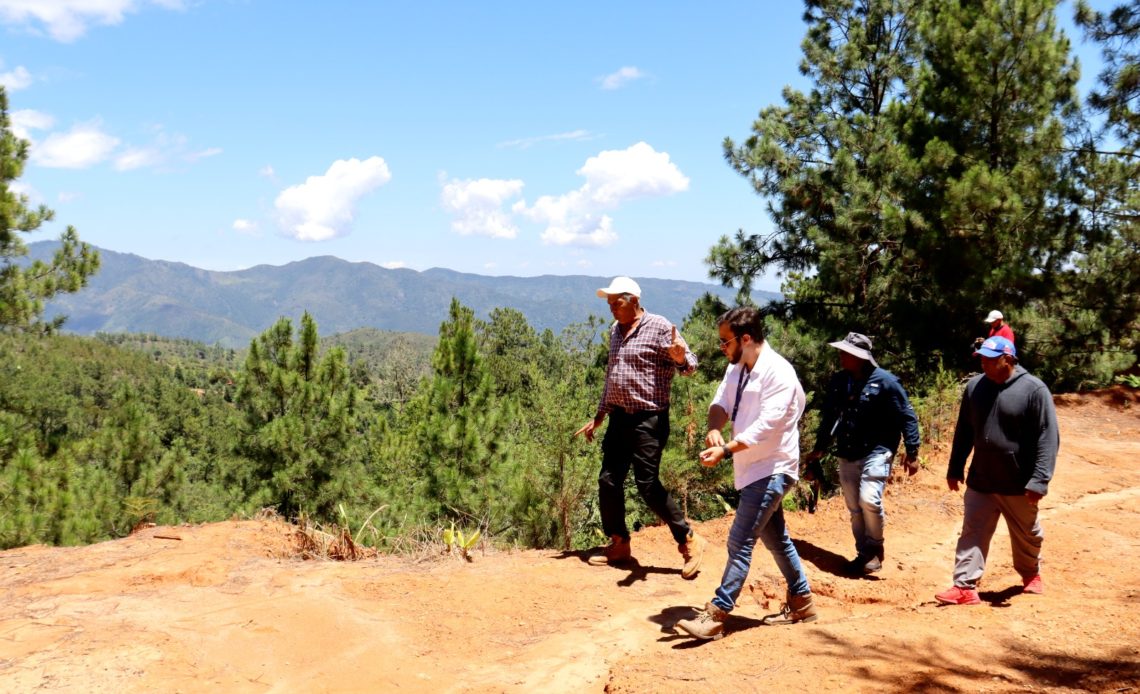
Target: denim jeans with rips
point(760, 516)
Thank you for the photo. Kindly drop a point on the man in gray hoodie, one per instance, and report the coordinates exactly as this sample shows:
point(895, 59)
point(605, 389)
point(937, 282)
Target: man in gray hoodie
point(1007, 419)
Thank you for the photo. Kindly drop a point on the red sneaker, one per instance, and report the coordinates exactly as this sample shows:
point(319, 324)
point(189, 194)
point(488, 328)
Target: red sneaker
point(958, 596)
point(1034, 585)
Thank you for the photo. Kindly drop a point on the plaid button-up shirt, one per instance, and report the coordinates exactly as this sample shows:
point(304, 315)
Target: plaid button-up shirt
point(640, 372)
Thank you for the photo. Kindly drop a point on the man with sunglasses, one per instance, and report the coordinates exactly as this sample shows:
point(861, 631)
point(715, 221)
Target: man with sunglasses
point(646, 351)
point(762, 398)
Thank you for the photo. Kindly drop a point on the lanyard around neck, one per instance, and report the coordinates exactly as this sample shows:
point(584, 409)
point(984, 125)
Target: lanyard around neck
point(744, 371)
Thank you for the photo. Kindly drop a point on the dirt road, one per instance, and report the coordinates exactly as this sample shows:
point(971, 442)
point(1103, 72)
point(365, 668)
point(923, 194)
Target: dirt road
point(220, 609)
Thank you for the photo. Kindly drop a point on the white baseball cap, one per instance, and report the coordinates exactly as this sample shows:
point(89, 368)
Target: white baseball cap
point(620, 285)
point(994, 315)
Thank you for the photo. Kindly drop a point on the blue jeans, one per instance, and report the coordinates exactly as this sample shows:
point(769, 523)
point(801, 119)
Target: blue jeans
point(863, 480)
point(760, 515)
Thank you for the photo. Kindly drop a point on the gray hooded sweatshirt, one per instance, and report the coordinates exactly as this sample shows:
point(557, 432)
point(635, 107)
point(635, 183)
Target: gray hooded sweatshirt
point(1012, 429)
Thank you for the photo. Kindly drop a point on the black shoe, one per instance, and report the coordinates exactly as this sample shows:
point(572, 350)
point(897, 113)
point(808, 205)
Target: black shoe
point(863, 566)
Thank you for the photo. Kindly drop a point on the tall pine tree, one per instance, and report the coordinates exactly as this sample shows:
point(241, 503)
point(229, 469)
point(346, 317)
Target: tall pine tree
point(25, 286)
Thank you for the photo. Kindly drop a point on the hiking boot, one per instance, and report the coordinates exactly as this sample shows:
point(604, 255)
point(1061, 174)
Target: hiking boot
point(863, 566)
point(958, 596)
point(692, 551)
point(1033, 585)
point(798, 608)
point(708, 624)
point(616, 552)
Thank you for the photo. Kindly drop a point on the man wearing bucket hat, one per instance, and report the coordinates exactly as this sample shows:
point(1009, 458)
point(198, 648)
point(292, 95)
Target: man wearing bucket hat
point(1007, 419)
point(646, 351)
point(865, 413)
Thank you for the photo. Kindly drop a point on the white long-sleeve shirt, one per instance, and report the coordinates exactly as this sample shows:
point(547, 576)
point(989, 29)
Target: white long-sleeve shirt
point(767, 419)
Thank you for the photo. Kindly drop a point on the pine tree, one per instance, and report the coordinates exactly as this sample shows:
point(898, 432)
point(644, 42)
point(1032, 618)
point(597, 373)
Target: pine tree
point(301, 424)
point(833, 167)
point(463, 435)
point(992, 219)
point(25, 286)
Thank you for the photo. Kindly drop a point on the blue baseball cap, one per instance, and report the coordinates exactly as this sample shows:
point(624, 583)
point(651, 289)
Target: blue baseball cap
point(997, 346)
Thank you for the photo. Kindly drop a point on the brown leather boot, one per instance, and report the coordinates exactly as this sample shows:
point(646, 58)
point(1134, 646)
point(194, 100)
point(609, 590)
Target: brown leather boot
point(616, 552)
point(798, 608)
point(708, 624)
point(692, 551)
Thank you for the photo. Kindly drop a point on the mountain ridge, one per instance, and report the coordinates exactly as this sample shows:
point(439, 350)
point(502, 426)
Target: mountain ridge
point(173, 299)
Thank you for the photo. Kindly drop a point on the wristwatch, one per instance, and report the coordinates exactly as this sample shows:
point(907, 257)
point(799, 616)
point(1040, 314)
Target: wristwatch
point(727, 451)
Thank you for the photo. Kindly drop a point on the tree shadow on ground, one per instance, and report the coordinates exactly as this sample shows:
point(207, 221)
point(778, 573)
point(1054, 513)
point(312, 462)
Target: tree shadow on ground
point(932, 667)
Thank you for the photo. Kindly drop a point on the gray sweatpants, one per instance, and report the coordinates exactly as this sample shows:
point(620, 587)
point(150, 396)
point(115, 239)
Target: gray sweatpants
point(978, 525)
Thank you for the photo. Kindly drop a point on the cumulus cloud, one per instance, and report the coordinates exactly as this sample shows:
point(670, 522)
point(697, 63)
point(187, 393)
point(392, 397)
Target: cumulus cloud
point(135, 158)
point(394, 264)
point(244, 226)
point(68, 20)
point(83, 146)
point(24, 121)
point(528, 142)
point(19, 78)
point(477, 206)
point(267, 172)
point(323, 206)
point(617, 80)
point(613, 177)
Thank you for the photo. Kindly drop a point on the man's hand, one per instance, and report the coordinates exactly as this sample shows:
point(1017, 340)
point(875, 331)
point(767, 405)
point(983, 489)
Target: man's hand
point(714, 438)
point(952, 484)
point(1033, 497)
point(911, 463)
point(588, 429)
point(711, 456)
point(676, 350)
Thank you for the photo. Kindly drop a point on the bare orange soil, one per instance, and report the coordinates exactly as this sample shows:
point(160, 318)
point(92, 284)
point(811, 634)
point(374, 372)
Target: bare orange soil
point(222, 607)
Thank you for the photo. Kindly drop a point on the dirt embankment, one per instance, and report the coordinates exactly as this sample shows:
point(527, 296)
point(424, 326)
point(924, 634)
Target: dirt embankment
point(221, 607)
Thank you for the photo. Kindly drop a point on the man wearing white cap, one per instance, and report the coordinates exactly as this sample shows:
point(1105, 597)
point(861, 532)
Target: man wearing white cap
point(865, 412)
point(646, 351)
point(998, 326)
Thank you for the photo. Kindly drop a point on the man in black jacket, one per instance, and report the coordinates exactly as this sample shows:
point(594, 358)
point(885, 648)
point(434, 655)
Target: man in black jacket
point(1007, 419)
point(865, 413)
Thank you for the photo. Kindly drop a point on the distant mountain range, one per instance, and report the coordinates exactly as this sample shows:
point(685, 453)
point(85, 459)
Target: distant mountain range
point(136, 295)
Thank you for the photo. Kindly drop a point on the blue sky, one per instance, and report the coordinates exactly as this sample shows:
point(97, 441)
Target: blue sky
point(499, 138)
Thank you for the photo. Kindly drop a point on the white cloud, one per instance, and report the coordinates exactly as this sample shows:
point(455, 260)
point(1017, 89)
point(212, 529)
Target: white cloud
point(477, 206)
point(322, 207)
point(25, 120)
point(135, 158)
point(244, 226)
point(65, 196)
point(18, 78)
point(394, 264)
point(26, 190)
point(83, 146)
point(267, 172)
point(622, 77)
point(67, 20)
point(203, 154)
point(528, 142)
point(664, 263)
point(613, 177)
point(166, 151)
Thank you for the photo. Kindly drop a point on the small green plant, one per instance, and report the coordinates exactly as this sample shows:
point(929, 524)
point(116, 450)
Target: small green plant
point(1129, 380)
point(725, 504)
point(457, 541)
